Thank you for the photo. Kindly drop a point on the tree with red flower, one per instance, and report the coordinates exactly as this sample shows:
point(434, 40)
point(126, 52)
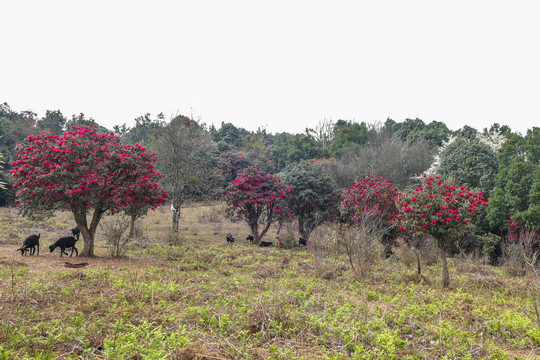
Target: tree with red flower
point(442, 209)
point(372, 199)
point(81, 171)
point(255, 195)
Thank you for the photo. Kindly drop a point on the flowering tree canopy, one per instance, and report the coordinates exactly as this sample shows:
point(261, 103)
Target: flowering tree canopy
point(440, 208)
point(231, 163)
point(254, 195)
point(83, 170)
point(373, 199)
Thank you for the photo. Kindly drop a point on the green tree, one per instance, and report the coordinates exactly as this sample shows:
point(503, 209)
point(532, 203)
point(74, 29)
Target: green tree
point(471, 161)
point(17, 126)
point(279, 150)
point(54, 121)
point(146, 130)
point(313, 195)
point(517, 185)
point(413, 130)
point(230, 136)
point(435, 133)
point(302, 147)
point(347, 133)
point(408, 128)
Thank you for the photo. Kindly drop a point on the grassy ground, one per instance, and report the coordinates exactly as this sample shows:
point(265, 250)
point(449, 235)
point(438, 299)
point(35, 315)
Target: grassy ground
point(192, 296)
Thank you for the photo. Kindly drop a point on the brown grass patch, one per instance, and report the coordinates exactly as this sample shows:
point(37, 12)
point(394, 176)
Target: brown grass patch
point(416, 278)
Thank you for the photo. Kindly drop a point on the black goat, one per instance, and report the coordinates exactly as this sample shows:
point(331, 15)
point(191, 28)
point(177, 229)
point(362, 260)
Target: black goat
point(230, 238)
point(250, 238)
point(29, 244)
point(76, 232)
point(302, 241)
point(65, 243)
point(265, 243)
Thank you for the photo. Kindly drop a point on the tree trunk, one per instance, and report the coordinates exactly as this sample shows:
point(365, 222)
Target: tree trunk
point(88, 250)
point(175, 219)
point(279, 227)
point(255, 231)
point(88, 232)
point(417, 260)
point(265, 230)
point(445, 273)
point(132, 227)
point(88, 241)
point(301, 228)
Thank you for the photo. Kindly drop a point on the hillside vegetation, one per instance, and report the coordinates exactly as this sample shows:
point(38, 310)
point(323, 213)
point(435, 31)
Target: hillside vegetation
point(189, 295)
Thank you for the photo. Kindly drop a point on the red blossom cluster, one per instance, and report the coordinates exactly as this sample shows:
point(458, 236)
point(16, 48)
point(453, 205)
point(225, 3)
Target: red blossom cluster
point(253, 193)
point(530, 239)
point(83, 169)
point(371, 196)
point(438, 208)
point(230, 165)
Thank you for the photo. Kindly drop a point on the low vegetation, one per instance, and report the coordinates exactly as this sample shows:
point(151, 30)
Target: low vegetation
point(190, 295)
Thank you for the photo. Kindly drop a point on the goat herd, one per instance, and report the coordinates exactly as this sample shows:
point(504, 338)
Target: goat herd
point(279, 242)
point(31, 242)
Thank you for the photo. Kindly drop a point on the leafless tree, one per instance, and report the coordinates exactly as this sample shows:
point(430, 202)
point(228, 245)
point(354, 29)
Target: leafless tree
point(385, 156)
point(323, 132)
point(361, 242)
point(183, 159)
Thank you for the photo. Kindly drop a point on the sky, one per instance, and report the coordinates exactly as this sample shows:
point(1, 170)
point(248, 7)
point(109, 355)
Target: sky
point(278, 65)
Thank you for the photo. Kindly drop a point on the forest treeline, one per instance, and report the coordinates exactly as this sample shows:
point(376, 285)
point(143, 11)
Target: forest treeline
point(198, 162)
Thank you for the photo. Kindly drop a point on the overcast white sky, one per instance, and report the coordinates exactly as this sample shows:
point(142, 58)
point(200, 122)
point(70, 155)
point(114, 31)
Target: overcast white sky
point(283, 65)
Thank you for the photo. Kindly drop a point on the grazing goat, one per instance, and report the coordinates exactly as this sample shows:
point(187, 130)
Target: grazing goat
point(65, 243)
point(230, 238)
point(302, 241)
point(265, 243)
point(250, 238)
point(76, 232)
point(29, 244)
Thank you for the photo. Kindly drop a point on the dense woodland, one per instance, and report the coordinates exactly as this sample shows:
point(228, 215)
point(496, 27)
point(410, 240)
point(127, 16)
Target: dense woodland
point(199, 162)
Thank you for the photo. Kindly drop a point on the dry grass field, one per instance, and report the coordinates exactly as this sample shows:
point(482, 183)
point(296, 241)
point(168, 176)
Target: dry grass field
point(190, 295)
